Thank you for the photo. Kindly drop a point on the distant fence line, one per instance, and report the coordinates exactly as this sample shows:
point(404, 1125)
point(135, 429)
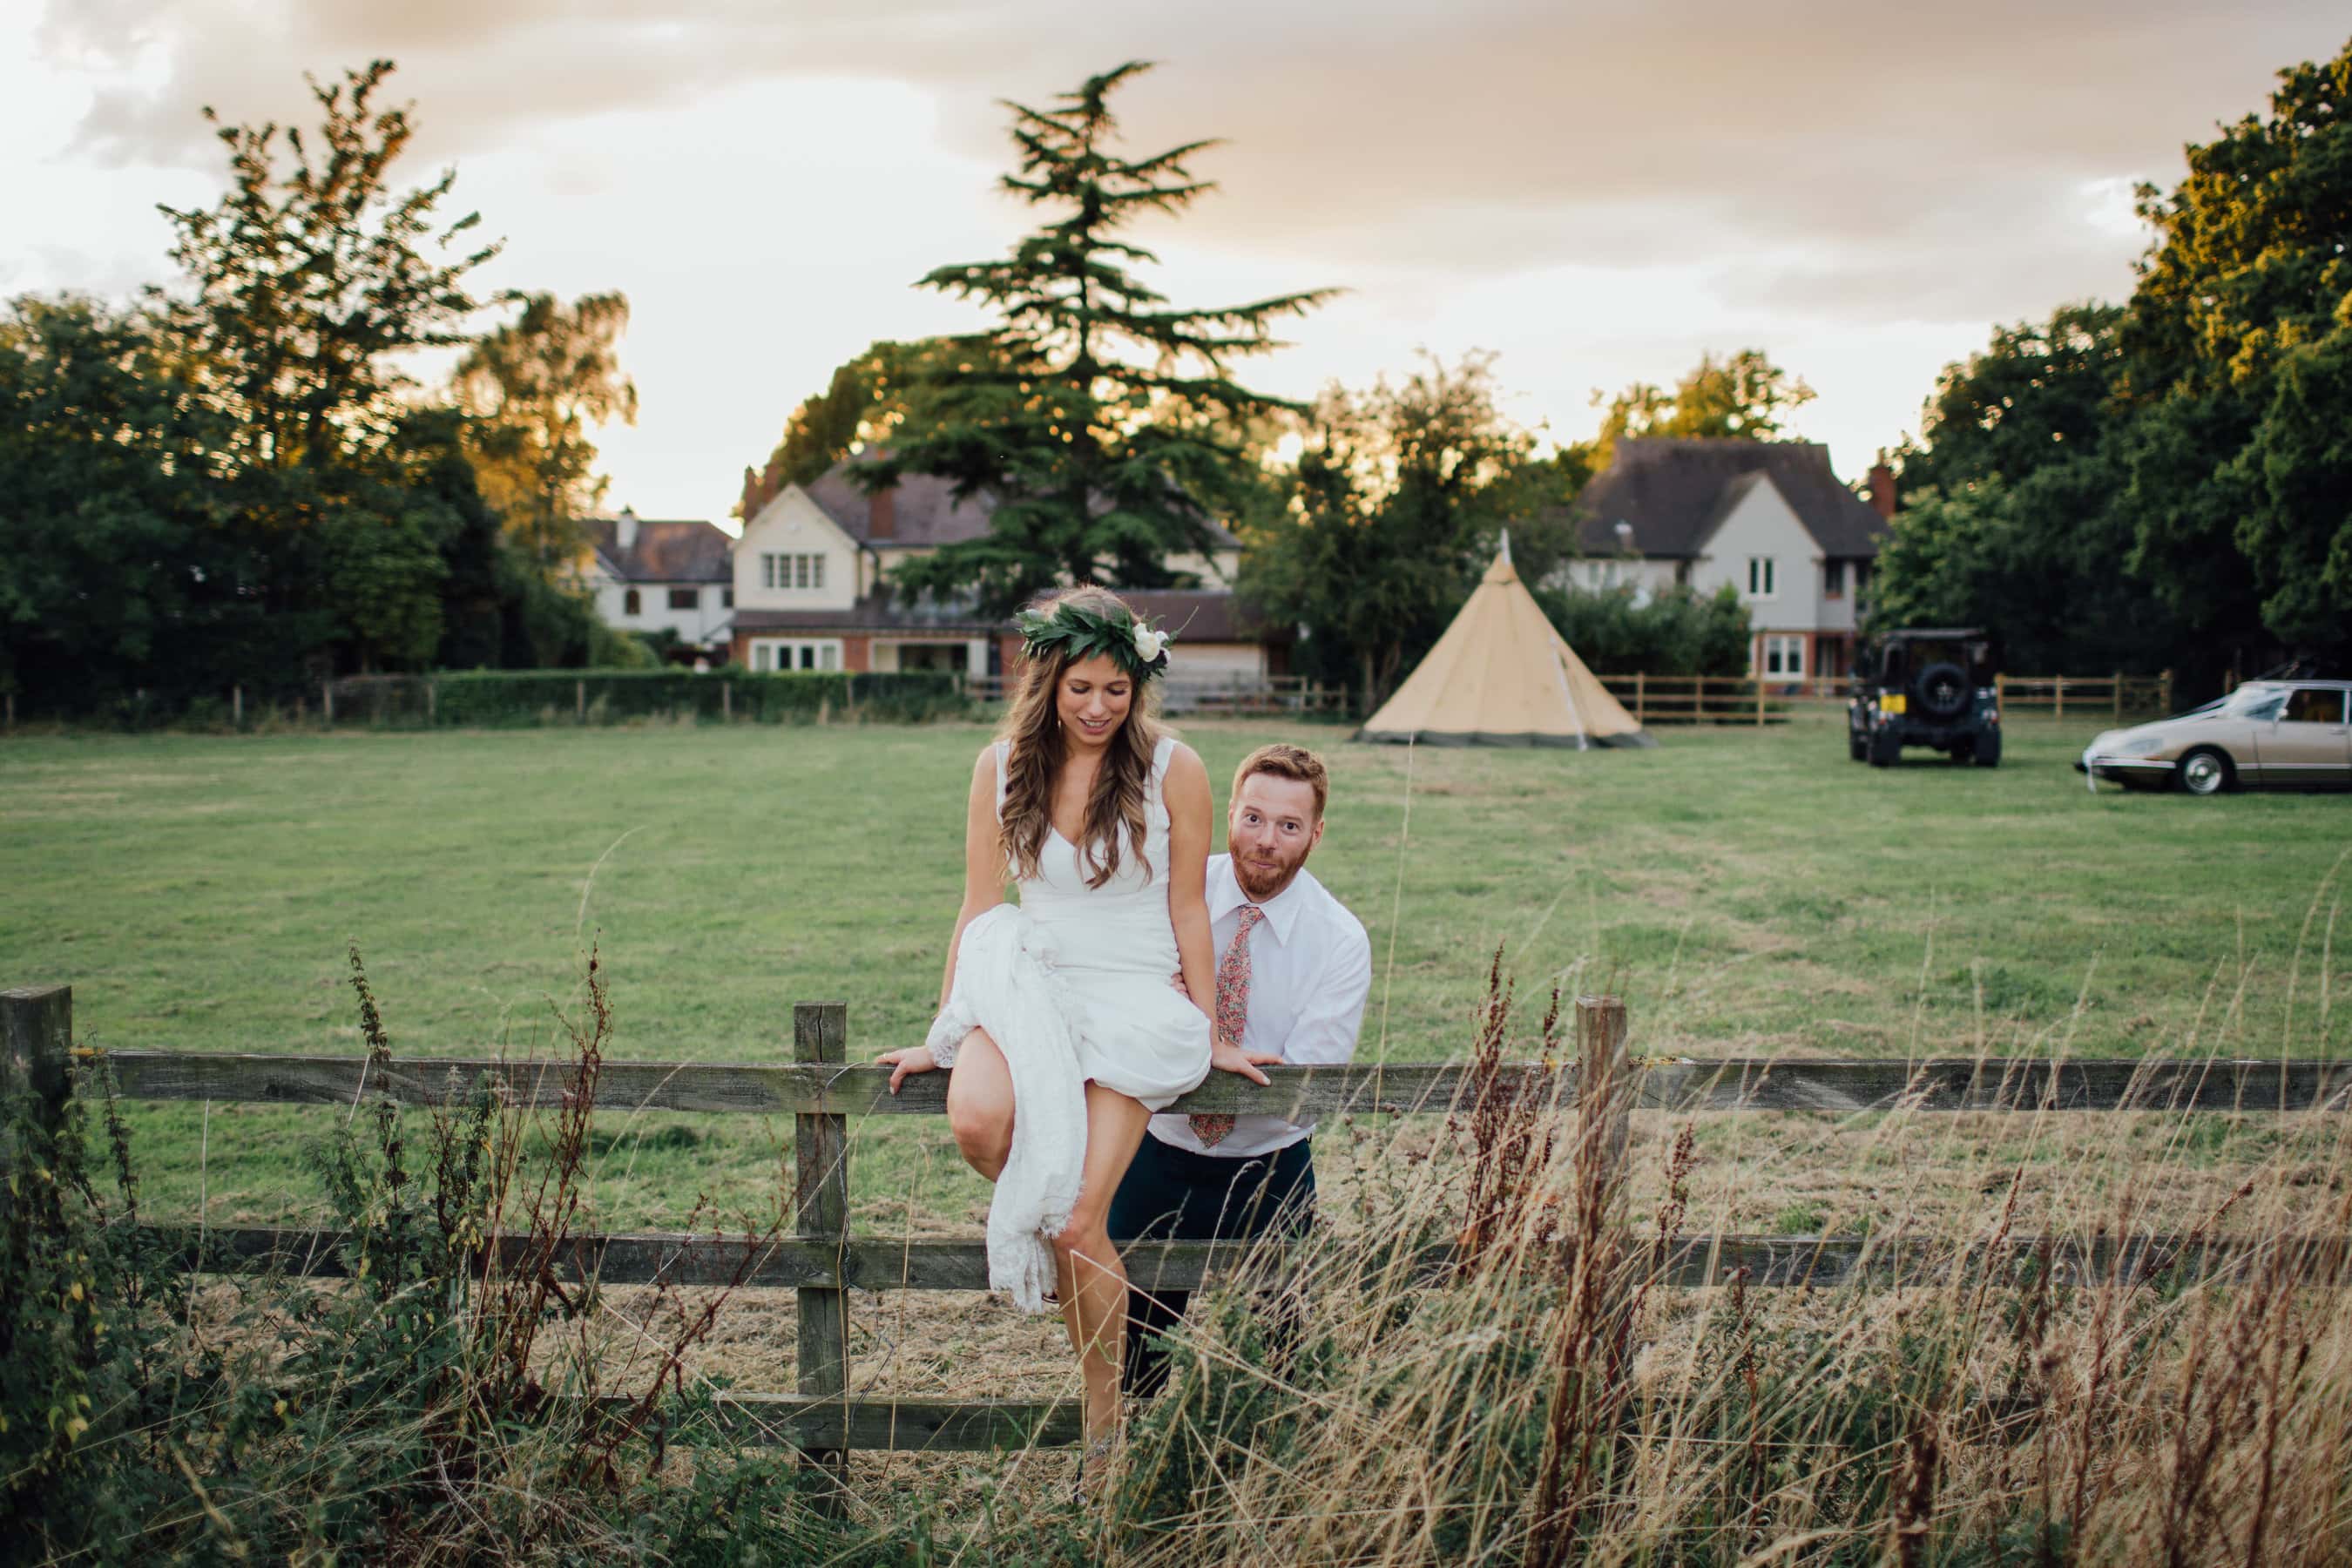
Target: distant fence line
point(1594, 1093)
point(509, 699)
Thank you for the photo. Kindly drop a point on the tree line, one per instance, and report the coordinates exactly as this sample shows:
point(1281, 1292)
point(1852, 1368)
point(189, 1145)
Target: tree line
point(236, 481)
point(2165, 482)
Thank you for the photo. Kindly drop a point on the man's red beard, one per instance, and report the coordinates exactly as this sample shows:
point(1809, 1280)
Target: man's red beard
point(1261, 884)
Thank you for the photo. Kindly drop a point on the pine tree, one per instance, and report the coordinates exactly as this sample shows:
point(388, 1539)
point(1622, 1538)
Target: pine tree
point(1096, 417)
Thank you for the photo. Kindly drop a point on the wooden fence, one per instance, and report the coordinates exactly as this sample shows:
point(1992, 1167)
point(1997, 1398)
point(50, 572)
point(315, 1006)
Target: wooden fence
point(821, 1089)
point(2091, 697)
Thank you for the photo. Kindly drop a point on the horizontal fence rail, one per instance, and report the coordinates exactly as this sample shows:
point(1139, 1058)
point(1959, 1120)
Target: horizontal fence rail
point(683, 1258)
point(1734, 1083)
point(826, 1416)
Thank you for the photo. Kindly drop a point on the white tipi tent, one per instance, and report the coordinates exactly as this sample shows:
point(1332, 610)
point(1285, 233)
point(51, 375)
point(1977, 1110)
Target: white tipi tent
point(1502, 677)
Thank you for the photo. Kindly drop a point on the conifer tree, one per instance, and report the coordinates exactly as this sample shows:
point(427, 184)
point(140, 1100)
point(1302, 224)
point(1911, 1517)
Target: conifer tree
point(1098, 417)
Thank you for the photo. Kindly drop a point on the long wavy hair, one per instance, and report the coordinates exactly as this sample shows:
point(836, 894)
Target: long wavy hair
point(1114, 823)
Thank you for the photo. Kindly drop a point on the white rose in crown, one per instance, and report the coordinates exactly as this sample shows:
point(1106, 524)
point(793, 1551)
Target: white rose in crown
point(1148, 644)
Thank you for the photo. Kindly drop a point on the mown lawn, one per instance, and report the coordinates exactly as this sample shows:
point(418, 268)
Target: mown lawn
point(1748, 893)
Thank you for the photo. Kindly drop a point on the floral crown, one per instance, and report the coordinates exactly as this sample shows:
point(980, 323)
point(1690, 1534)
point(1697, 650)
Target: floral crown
point(1135, 649)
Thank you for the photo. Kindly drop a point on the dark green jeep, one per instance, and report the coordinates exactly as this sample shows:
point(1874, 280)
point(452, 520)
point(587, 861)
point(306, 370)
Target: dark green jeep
point(1927, 688)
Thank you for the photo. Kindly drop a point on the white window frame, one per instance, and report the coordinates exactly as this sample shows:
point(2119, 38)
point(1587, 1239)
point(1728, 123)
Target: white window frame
point(1784, 649)
point(1762, 570)
point(780, 655)
point(792, 572)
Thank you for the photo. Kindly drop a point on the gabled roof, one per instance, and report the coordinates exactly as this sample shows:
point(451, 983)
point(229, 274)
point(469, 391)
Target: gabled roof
point(1203, 614)
point(924, 510)
point(673, 551)
point(1676, 491)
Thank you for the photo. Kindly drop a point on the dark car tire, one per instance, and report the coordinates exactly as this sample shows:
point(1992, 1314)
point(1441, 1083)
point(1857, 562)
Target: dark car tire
point(2207, 770)
point(1943, 675)
point(1987, 751)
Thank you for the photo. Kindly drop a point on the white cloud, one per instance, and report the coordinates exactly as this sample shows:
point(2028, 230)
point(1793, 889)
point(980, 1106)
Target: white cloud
point(1599, 193)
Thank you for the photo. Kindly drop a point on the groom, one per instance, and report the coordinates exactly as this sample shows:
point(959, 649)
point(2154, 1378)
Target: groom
point(1293, 970)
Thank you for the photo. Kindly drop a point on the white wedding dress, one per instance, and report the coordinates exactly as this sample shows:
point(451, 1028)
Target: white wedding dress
point(1074, 984)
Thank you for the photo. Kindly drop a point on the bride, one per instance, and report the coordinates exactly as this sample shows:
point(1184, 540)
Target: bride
point(1070, 1017)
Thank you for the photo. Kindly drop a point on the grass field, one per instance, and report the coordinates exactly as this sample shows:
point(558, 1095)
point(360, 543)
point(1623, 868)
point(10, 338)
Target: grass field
point(1748, 893)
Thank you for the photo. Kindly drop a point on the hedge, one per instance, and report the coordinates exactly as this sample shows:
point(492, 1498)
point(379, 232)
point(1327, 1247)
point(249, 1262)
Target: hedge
point(498, 699)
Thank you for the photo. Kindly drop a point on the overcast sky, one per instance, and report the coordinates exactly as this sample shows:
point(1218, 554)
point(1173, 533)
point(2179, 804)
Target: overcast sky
point(1598, 193)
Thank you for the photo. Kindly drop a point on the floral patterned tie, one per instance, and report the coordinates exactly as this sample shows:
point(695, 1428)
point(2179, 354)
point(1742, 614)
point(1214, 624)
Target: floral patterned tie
point(1233, 1011)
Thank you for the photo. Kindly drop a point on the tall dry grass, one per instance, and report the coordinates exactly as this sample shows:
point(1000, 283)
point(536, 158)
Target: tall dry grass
point(1974, 1390)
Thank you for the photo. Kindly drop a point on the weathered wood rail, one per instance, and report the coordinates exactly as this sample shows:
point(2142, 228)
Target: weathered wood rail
point(821, 1089)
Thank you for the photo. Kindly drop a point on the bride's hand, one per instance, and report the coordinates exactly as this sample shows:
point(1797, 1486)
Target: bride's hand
point(901, 1063)
point(1227, 1056)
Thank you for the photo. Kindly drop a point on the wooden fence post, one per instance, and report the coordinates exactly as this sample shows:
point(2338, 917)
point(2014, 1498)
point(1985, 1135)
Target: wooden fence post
point(2060, 685)
point(1698, 701)
point(1638, 715)
point(327, 703)
point(432, 702)
point(580, 701)
point(2164, 694)
point(236, 706)
point(727, 701)
point(1606, 1116)
point(2119, 697)
point(36, 1054)
point(2001, 691)
point(821, 1201)
point(1759, 701)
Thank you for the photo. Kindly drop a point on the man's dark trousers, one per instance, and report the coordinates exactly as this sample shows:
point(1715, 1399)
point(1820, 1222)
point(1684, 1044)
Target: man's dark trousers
point(1175, 1194)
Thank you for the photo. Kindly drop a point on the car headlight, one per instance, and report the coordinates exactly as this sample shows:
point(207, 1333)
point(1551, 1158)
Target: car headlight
point(2142, 746)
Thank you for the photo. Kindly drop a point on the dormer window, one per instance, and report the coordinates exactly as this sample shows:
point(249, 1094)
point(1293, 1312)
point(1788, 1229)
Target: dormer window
point(794, 571)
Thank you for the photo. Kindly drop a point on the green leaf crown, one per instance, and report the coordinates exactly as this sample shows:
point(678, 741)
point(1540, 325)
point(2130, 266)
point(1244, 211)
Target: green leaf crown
point(1085, 633)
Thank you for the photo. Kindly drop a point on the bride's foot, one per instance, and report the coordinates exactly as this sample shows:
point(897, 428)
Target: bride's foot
point(1094, 1467)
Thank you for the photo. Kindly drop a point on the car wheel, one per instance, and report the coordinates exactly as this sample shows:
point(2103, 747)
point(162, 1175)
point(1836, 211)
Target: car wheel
point(1987, 751)
point(2207, 770)
point(1858, 748)
point(1883, 750)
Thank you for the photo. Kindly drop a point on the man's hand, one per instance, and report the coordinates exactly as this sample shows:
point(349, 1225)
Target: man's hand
point(1227, 1056)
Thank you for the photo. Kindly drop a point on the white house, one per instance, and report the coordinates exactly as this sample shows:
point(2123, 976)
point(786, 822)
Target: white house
point(656, 576)
point(1769, 518)
point(810, 576)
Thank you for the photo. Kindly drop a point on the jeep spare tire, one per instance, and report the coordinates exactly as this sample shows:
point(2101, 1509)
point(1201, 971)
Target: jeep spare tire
point(1944, 691)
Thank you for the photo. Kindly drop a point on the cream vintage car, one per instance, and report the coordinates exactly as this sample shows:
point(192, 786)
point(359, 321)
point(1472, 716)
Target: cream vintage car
point(2267, 734)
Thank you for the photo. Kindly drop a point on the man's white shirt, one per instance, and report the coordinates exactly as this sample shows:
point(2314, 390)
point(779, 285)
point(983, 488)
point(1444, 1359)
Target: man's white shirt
point(1310, 970)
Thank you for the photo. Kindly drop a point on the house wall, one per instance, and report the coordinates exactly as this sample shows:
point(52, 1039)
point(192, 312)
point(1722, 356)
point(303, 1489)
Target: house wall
point(1216, 663)
point(1600, 574)
point(701, 626)
point(1764, 526)
point(792, 525)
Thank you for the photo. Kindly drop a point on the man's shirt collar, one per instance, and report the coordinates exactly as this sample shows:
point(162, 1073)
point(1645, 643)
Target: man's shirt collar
point(1283, 911)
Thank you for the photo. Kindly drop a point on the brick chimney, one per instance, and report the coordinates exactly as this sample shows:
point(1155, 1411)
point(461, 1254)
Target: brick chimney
point(1882, 490)
point(882, 514)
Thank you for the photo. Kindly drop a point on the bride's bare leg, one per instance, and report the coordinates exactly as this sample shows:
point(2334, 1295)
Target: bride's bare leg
point(1092, 1280)
point(980, 1104)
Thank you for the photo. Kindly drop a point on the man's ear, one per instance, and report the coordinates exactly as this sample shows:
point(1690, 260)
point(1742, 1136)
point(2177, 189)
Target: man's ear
point(1317, 836)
